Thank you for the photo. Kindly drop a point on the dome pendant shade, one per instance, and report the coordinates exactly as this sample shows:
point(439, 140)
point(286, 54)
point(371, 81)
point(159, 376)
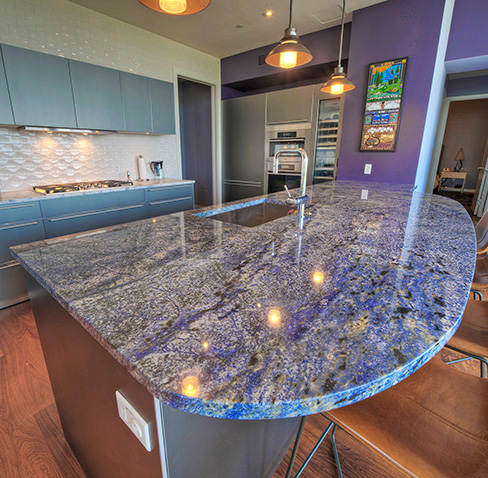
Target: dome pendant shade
point(176, 7)
point(338, 83)
point(289, 53)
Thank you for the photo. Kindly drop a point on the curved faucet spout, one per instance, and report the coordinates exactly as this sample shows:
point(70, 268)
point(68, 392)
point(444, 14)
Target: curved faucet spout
point(303, 154)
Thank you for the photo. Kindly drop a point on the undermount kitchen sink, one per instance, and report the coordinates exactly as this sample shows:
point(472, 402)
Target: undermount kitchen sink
point(249, 214)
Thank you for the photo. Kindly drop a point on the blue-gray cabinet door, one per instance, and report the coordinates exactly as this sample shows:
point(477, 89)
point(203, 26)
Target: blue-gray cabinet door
point(6, 116)
point(40, 88)
point(136, 98)
point(98, 96)
point(162, 107)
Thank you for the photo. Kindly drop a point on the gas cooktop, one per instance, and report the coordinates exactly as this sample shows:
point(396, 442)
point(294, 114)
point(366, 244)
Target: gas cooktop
point(64, 188)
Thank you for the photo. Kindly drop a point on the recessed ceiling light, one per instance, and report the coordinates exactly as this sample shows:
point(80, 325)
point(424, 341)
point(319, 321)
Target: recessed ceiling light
point(268, 13)
point(239, 26)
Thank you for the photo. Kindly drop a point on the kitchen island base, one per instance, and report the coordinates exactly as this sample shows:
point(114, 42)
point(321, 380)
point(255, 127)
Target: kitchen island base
point(85, 377)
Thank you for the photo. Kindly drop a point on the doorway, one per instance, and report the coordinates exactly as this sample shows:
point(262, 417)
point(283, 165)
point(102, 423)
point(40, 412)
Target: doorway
point(195, 111)
point(465, 138)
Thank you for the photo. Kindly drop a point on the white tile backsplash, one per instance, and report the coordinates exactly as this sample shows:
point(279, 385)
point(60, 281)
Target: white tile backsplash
point(63, 28)
point(30, 158)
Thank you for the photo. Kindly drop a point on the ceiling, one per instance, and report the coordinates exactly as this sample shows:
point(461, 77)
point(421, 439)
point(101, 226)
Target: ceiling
point(228, 27)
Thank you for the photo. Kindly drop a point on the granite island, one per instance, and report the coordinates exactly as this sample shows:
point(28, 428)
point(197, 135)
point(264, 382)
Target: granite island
point(255, 325)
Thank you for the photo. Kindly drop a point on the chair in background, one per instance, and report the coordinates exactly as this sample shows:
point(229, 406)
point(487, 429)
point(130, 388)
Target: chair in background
point(432, 424)
point(471, 337)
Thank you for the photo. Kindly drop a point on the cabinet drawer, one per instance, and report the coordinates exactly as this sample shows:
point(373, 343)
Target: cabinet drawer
point(169, 192)
point(19, 211)
point(19, 233)
point(90, 202)
point(84, 221)
point(12, 284)
point(167, 206)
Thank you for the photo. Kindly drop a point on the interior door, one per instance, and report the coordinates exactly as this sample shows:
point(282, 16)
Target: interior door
point(195, 103)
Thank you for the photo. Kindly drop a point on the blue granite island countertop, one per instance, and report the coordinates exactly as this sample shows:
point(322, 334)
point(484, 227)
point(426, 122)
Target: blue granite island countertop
point(278, 320)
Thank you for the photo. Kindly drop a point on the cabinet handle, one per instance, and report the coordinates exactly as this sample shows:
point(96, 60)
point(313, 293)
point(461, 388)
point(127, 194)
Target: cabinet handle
point(19, 225)
point(74, 216)
point(168, 187)
point(8, 265)
point(236, 182)
point(4, 208)
point(155, 203)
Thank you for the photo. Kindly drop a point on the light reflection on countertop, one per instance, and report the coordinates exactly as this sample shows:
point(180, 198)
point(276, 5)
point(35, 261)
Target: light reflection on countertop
point(363, 292)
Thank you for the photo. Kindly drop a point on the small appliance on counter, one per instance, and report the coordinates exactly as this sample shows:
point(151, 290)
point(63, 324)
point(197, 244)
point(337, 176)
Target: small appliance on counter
point(157, 169)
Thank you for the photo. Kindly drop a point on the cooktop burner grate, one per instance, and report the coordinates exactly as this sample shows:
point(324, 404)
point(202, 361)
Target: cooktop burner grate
point(81, 186)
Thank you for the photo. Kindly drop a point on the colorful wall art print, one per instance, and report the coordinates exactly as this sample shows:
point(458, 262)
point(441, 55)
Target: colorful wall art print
point(383, 105)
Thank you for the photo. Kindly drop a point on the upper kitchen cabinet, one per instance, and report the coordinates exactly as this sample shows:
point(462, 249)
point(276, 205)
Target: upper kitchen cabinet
point(136, 98)
point(97, 95)
point(290, 105)
point(162, 106)
point(40, 88)
point(6, 116)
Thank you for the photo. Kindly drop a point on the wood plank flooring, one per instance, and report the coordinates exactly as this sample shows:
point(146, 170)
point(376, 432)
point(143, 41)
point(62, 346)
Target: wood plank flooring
point(32, 443)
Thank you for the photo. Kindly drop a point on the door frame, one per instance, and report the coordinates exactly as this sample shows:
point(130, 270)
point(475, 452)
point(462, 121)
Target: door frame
point(215, 92)
point(441, 130)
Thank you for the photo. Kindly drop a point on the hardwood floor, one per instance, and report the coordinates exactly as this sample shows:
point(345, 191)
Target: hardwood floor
point(32, 443)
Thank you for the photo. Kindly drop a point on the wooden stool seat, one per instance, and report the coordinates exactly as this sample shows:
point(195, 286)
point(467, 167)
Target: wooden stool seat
point(472, 335)
point(432, 424)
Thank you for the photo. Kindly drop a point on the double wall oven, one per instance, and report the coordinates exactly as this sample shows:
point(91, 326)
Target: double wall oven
point(289, 137)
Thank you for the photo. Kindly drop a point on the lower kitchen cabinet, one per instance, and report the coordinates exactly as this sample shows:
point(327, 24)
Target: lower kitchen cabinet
point(69, 215)
point(19, 223)
point(161, 201)
point(83, 221)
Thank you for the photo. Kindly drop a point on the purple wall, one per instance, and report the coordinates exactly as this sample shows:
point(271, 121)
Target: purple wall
point(394, 29)
point(468, 37)
point(324, 46)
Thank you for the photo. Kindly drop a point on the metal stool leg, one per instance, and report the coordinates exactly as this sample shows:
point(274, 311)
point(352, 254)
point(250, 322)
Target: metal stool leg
point(482, 360)
point(314, 449)
point(336, 455)
point(295, 446)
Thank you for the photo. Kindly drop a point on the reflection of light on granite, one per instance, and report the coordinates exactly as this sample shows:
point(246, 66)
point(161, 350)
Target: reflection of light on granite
point(274, 317)
point(318, 277)
point(190, 386)
point(205, 345)
point(258, 305)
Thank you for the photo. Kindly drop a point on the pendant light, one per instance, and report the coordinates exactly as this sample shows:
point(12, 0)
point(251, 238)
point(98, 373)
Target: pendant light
point(176, 7)
point(289, 53)
point(338, 83)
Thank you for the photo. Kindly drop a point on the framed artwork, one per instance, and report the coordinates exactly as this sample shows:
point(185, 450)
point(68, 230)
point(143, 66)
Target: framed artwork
point(383, 105)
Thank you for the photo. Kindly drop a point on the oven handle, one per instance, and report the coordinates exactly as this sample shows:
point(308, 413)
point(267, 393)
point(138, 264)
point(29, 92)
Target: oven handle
point(286, 140)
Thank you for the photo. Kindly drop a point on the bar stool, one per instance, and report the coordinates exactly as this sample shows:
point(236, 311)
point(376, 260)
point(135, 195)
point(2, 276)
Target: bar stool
point(432, 424)
point(471, 337)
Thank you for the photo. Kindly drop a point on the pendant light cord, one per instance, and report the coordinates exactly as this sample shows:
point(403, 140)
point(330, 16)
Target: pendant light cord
point(291, 8)
point(342, 29)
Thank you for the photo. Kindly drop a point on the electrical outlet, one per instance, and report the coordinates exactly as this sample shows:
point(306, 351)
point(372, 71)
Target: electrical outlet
point(132, 418)
point(116, 168)
point(364, 194)
point(367, 168)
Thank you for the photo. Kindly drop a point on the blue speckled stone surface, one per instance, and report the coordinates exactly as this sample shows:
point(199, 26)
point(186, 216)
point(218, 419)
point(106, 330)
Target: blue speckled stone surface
point(184, 296)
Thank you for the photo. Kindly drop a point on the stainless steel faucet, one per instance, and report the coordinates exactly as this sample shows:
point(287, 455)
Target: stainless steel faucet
point(128, 178)
point(303, 180)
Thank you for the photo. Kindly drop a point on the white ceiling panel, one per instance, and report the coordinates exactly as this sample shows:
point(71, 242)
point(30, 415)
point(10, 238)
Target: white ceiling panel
point(215, 30)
